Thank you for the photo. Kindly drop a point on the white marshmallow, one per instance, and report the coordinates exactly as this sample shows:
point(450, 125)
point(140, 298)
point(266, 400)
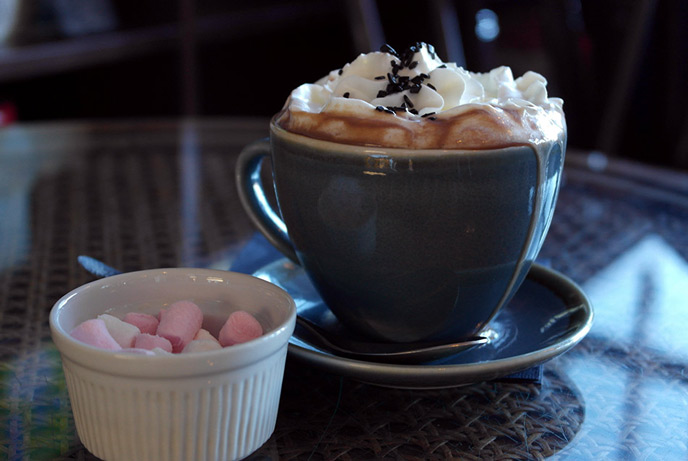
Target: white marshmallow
point(122, 332)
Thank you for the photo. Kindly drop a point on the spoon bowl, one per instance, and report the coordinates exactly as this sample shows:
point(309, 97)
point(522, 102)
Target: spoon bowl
point(384, 352)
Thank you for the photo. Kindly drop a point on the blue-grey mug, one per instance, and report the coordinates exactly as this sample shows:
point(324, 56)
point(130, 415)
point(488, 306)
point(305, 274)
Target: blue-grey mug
point(403, 244)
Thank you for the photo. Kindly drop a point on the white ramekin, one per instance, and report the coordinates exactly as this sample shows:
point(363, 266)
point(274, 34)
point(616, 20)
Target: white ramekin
point(213, 405)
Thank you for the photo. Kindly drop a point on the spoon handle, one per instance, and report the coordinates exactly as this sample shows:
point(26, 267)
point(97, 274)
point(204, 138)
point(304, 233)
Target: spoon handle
point(96, 267)
point(410, 353)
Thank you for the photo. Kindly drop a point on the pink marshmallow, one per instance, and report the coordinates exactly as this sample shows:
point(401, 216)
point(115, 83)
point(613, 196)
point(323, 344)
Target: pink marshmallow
point(150, 342)
point(239, 328)
point(201, 345)
point(95, 333)
point(180, 323)
point(146, 323)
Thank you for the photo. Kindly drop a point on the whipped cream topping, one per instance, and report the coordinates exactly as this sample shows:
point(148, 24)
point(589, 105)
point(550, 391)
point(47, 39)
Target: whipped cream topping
point(402, 95)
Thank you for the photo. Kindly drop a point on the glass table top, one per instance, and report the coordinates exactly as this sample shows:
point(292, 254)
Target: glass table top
point(161, 193)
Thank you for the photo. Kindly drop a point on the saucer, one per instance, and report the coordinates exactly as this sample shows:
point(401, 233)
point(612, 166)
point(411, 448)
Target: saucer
point(548, 316)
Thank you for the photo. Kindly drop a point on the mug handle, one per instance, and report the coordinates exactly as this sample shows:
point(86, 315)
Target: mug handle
point(254, 201)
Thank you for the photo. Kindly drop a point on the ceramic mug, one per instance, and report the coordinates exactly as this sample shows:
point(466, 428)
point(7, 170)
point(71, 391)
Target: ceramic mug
point(403, 244)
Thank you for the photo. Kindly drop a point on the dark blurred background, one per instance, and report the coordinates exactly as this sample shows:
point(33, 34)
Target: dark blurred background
point(620, 66)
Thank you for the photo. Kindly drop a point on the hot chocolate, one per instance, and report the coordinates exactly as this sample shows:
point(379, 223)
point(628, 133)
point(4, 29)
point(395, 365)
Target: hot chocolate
point(414, 194)
point(414, 100)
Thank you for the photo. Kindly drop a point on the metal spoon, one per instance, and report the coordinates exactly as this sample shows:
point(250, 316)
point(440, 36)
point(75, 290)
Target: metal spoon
point(407, 353)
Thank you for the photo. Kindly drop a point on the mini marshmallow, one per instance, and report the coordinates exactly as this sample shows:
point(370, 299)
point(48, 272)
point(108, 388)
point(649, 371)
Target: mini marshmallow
point(180, 323)
point(201, 345)
point(122, 332)
point(205, 334)
point(239, 328)
point(138, 351)
point(146, 323)
point(94, 332)
point(158, 351)
point(152, 342)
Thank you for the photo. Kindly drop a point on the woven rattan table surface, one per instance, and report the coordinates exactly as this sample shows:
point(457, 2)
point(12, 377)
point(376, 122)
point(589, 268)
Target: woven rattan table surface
point(161, 193)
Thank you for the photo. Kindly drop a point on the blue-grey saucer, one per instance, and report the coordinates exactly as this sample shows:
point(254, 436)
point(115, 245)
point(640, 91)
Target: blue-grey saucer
point(548, 316)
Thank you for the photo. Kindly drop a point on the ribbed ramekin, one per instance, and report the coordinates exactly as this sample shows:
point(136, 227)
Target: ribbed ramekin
point(213, 405)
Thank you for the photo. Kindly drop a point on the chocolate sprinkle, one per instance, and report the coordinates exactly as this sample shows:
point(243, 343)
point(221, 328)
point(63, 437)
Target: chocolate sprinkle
point(388, 49)
point(394, 88)
point(346, 95)
point(400, 83)
point(341, 71)
point(384, 109)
